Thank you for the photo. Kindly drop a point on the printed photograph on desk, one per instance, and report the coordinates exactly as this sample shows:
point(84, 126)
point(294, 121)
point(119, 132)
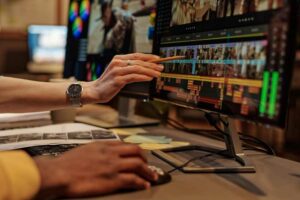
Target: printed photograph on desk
point(8, 139)
point(101, 134)
point(30, 137)
point(55, 136)
point(190, 11)
point(80, 136)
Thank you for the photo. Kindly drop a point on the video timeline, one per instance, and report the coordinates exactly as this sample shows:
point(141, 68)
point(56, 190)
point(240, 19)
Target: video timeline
point(214, 73)
point(244, 60)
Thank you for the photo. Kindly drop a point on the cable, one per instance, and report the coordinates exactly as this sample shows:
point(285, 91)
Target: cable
point(250, 142)
point(220, 137)
point(243, 137)
point(194, 159)
point(258, 142)
point(253, 143)
point(251, 146)
point(203, 133)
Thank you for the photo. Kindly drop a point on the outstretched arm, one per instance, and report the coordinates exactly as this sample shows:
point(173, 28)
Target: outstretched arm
point(19, 95)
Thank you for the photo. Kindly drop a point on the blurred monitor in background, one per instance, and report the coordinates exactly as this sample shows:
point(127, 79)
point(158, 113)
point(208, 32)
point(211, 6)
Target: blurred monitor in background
point(47, 43)
point(46, 48)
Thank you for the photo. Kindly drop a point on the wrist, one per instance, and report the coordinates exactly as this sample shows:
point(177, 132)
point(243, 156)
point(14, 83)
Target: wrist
point(89, 93)
point(54, 181)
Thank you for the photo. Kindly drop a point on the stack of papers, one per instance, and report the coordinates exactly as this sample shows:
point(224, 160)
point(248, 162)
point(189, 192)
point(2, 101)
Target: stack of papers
point(14, 120)
point(70, 133)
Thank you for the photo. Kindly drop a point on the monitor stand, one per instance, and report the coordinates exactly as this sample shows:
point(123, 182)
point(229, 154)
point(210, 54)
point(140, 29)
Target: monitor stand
point(125, 117)
point(233, 151)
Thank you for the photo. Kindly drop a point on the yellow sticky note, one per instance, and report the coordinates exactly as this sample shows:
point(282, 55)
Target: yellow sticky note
point(149, 146)
point(140, 139)
point(128, 131)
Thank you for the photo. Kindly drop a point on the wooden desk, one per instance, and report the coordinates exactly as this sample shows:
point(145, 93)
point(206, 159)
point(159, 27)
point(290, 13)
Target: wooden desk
point(275, 179)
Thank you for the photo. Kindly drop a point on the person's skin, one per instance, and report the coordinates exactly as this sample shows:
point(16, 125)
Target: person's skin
point(94, 169)
point(19, 95)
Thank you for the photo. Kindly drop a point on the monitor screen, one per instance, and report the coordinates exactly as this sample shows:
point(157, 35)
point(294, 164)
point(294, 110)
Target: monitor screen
point(47, 43)
point(238, 56)
point(97, 32)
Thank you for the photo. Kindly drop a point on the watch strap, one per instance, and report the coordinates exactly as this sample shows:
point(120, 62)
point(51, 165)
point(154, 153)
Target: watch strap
point(74, 99)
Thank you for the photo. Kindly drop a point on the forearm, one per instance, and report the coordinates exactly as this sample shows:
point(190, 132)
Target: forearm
point(19, 95)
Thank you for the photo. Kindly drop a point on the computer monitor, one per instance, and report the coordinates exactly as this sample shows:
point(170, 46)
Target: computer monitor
point(46, 47)
point(239, 57)
point(97, 31)
point(47, 43)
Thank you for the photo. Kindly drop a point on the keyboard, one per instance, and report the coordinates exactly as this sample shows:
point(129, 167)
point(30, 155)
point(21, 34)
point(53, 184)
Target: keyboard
point(49, 150)
point(56, 150)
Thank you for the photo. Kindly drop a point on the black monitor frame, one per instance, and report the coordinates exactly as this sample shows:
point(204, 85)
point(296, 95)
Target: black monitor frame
point(258, 18)
point(233, 148)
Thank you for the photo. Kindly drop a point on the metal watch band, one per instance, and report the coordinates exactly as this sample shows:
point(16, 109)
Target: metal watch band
point(74, 95)
point(75, 102)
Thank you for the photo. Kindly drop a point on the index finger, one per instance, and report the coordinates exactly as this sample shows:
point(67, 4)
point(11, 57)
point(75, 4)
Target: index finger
point(137, 56)
point(123, 149)
point(129, 150)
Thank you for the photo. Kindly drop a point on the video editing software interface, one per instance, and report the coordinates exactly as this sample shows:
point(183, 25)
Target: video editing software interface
point(96, 33)
point(237, 56)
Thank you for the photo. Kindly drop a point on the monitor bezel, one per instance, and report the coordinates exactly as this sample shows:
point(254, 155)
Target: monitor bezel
point(290, 50)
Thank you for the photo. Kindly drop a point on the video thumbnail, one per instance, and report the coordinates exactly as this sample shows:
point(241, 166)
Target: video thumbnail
point(190, 11)
point(244, 60)
point(110, 29)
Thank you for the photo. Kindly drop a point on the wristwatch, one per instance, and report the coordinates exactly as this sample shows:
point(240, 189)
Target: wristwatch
point(74, 93)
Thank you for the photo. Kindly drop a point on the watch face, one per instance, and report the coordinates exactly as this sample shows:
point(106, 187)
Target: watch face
point(75, 90)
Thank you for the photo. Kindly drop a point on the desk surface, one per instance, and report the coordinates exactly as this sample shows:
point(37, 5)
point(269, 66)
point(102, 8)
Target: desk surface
point(275, 179)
